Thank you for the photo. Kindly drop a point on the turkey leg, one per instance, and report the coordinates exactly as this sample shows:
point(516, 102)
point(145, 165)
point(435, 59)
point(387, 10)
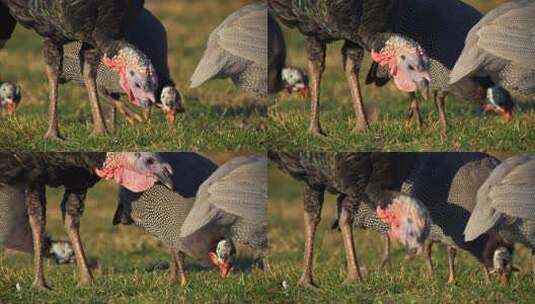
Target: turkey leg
point(72, 208)
point(316, 67)
point(53, 55)
point(36, 206)
point(440, 100)
point(352, 58)
point(429, 258)
point(451, 264)
point(414, 112)
point(91, 59)
point(533, 263)
point(313, 201)
point(385, 261)
point(346, 225)
point(179, 257)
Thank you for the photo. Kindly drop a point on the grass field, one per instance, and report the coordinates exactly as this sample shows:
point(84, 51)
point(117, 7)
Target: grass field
point(218, 116)
point(406, 282)
point(132, 264)
point(387, 109)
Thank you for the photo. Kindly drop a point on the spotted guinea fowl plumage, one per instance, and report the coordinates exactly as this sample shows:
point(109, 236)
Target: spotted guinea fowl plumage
point(160, 211)
point(502, 46)
point(237, 49)
point(506, 203)
point(146, 33)
point(230, 204)
point(359, 178)
point(440, 27)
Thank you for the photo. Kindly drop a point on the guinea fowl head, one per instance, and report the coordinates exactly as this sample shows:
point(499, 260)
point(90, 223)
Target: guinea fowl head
point(407, 62)
point(408, 219)
point(171, 103)
point(223, 256)
point(137, 75)
point(61, 252)
point(10, 97)
point(295, 81)
point(500, 102)
point(502, 264)
point(136, 171)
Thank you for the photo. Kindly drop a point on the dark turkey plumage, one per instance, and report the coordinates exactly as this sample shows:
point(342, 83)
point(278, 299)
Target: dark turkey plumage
point(100, 25)
point(361, 178)
point(440, 27)
point(363, 25)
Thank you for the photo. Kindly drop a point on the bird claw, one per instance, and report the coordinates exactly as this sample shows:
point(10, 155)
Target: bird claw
point(41, 285)
point(54, 135)
point(307, 282)
point(129, 115)
point(316, 131)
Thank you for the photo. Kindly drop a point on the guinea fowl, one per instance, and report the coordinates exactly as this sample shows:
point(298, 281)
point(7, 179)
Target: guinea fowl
point(502, 46)
point(99, 25)
point(363, 25)
point(447, 184)
point(506, 204)
point(440, 27)
point(147, 34)
point(230, 207)
point(76, 172)
point(281, 77)
point(15, 231)
point(10, 97)
point(362, 178)
point(238, 49)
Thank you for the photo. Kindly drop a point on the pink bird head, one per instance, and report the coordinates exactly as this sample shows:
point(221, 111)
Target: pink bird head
point(136, 171)
point(137, 75)
point(407, 62)
point(409, 221)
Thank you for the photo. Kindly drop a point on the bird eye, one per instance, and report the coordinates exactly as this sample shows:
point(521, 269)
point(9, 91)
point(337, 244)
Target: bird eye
point(138, 86)
point(132, 73)
point(403, 57)
point(149, 161)
point(411, 67)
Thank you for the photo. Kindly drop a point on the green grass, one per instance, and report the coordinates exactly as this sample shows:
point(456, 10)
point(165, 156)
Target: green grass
point(218, 116)
point(387, 109)
point(132, 264)
point(406, 282)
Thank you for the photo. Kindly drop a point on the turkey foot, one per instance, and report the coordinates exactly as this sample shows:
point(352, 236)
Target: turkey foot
point(451, 264)
point(352, 57)
point(307, 281)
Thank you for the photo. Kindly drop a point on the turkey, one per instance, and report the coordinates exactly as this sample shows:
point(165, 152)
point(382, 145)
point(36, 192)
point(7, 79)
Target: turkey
point(238, 49)
point(99, 25)
point(229, 207)
point(506, 204)
point(363, 25)
point(362, 178)
point(147, 34)
point(15, 231)
point(280, 76)
point(76, 172)
point(10, 96)
point(440, 27)
point(502, 46)
point(447, 184)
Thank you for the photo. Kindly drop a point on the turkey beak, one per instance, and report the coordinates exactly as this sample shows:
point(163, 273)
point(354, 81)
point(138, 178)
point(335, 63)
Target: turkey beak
point(424, 88)
point(166, 177)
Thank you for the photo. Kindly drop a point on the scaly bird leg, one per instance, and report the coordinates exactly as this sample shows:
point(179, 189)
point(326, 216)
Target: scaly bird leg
point(352, 57)
point(179, 257)
point(316, 66)
point(346, 225)
point(429, 258)
point(440, 101)
point(90, 61)
point(54, 61)
point(451, 264)
point(385, 261)
point(533, 263)
point(72, 208)
point(313, 201)
point(36, 207)
point(131, 116)
point(414, 112)
point(173, 267)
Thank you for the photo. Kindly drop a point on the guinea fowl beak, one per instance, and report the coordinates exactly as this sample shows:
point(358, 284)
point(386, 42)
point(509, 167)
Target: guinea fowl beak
point(504, 278)
point(165, 177)
point(424, 88)
point(507, 115)
point(303, 92)
point(170, 115)
point(11, 107)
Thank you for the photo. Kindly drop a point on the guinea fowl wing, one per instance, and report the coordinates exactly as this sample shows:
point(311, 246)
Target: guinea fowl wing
point(238, 189)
